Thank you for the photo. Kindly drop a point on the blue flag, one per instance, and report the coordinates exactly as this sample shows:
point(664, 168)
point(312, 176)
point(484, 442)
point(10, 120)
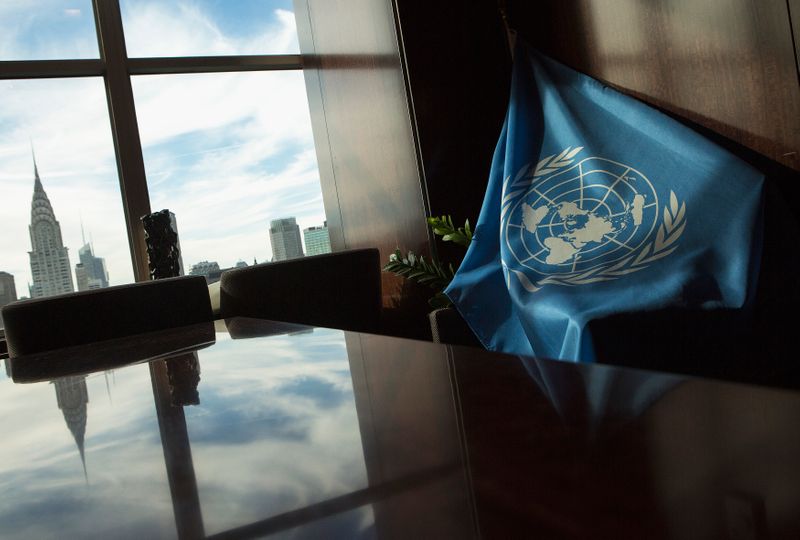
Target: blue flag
point(598, 204)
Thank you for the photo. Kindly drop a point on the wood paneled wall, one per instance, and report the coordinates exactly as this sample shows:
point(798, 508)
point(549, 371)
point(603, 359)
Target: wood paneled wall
point(371, 180)
point(728, 65)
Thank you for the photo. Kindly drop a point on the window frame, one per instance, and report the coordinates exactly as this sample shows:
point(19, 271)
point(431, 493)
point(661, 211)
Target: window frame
point(116, 69)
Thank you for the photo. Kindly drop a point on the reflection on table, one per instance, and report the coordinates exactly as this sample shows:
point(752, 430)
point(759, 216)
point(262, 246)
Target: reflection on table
point(312, 433)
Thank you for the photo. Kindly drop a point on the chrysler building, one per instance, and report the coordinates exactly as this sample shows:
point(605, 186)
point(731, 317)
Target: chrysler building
point(52, 273)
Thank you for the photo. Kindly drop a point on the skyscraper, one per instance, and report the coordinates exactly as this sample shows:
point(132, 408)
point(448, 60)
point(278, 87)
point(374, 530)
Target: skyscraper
point(284, 235)
point(317, 240)
point(52, 273)
point(91, 272)
point(8, 291)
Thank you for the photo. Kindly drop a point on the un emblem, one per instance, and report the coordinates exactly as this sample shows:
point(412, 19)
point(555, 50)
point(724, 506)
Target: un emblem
point(573, 222)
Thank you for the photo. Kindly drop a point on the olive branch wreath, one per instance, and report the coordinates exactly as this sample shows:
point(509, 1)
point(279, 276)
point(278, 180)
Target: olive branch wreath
point(670, 230)
point(525, 177)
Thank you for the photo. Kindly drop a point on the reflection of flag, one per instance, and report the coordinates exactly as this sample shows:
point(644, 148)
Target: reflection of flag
point(598, 204)
point(601, 396)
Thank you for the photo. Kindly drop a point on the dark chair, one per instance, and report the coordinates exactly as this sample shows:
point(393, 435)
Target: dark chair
point(337, 290)
point(45, 324)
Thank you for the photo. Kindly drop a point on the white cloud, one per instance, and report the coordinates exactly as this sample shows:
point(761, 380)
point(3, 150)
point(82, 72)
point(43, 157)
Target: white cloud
point(45, 29)
point(186, 29)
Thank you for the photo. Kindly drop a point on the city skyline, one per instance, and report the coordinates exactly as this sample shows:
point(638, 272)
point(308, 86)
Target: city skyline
point(226, 152)
point(91, 273)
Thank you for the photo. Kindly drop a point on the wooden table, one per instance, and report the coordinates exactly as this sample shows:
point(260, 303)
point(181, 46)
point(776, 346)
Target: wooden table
point(319, 433)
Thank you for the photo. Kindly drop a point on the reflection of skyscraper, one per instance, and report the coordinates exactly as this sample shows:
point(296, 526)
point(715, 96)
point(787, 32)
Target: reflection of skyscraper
point(8, 291)
point(72, 397)
point(183, 373)
point(284, 236)
point(52, 273)
point(91, 272)
point(317, 240)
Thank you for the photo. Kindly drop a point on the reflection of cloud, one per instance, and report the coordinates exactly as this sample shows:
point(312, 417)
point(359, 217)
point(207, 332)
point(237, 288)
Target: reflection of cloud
point(276, 429)
point(355, 524)
point(305, 382)
point(227, 152)
point(72, 12)
point(236, 425)
point(41, 470)
point(323, 393)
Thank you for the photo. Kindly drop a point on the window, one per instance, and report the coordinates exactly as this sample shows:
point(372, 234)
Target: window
point(78, 175)
point(228, 140)
point(209, 120)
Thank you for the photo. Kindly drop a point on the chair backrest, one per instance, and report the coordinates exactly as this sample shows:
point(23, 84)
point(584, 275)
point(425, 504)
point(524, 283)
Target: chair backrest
point(337, 290)
point(45, 324)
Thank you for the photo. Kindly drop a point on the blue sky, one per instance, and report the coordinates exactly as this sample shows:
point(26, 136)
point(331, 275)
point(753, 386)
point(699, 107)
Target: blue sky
point(226, 152)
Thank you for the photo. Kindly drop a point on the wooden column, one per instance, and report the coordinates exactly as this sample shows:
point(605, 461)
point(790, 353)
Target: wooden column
point(371, 179)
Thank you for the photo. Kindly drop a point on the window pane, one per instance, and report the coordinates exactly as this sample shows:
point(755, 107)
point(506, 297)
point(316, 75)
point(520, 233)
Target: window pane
point(47, 30)
point(208, 27)
point(228, 153)
point(73, 213)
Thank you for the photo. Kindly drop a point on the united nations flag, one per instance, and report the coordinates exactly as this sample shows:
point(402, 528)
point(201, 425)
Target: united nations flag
point(596, 205)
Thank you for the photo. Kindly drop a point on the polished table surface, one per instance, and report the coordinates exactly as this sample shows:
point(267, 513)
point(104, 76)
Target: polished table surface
point(319, 433)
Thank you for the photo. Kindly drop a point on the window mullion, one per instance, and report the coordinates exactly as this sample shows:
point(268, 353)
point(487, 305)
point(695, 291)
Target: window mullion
point(214, 64)
point(124, 128)
point(49, 69)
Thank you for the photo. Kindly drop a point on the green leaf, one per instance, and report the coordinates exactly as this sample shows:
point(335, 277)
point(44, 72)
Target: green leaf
point(443, 226)
point(431, 272)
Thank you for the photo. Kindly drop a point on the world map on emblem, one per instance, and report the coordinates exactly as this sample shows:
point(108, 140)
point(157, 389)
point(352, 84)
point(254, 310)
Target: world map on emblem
point(592, 213)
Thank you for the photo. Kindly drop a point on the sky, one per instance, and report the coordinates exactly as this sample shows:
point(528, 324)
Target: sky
point(227, 152)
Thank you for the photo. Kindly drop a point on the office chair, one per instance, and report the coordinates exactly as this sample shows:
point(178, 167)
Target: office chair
point(337, 290)
point(66, 320)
